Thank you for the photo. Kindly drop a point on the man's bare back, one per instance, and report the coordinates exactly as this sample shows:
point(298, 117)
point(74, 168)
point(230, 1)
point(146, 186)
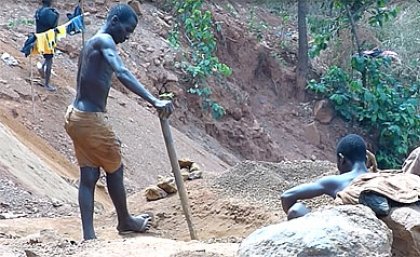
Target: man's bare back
point(95, 74)
point(351, 158)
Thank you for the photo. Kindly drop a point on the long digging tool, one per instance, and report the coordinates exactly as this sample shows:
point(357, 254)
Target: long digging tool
point(166, 130)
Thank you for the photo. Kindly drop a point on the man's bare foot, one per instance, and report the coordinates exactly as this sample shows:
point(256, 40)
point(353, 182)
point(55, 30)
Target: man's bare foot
point(50, 88)
point(138, 224)
point(89, 237)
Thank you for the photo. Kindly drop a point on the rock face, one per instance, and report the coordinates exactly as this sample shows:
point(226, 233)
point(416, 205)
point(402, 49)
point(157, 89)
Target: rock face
point(405, 225)
point(323, 112)
point(335, 231)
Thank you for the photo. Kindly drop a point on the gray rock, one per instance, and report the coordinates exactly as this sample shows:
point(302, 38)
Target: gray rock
point(405, 225)
point(9, 60)
point(7, 252)
point(338, 231)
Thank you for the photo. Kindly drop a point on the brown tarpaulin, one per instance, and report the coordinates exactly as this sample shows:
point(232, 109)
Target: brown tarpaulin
point(412, 163)
point(400, 187)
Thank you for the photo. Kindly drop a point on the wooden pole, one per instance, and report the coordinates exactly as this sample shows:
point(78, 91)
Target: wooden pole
point(81, 49)
point(30, 80)
point(31, 85)
point(83, 31)
point(166, 130)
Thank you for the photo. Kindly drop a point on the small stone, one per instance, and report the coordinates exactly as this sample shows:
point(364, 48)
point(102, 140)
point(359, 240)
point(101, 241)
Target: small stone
point(30, 254)
point(9, 60)
point(167, 184)
point(157, 62)
point(136, 6)
point(171, 77)
point(154, 193)
point(168, 18)
point(57, 204)
point(145, 65)
point(194, 167)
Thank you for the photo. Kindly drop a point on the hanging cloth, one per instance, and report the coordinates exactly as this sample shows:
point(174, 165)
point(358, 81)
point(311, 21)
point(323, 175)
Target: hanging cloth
point(77, 23)
point(45, 43)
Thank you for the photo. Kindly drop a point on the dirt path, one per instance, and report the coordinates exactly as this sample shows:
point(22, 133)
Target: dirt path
point(136, 247)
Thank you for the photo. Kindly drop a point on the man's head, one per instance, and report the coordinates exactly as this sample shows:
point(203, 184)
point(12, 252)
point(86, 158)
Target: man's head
point(47, 2)
point(350, 149)
point(121, 22)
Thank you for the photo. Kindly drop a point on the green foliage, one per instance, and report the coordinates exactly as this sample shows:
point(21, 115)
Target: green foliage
point(257, 27)
point(323, 28)
point(197, 25)
point(402, 36)
point(216, 110)
point(13, 23)
point(386, 107)
point(322, 31)
point(370, 93)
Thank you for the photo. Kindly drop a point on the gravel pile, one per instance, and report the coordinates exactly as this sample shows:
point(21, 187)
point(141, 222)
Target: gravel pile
point(17, 202)
point(264, 182)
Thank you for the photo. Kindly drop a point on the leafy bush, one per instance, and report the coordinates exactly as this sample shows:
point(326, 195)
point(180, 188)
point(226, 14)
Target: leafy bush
point(402, 37)
point(335, 18)
point(197, 25)
point(13, 23)
point(385, 107)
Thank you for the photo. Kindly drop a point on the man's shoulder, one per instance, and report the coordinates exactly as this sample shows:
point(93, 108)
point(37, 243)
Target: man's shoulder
point(46, 11)
point(337, 181)
point(102, 40)
point(330, 179)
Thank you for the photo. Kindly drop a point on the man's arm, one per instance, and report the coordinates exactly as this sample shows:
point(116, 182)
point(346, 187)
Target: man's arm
point(304, 191)
point(326, 185)
point(110, 54)
point(109, 51)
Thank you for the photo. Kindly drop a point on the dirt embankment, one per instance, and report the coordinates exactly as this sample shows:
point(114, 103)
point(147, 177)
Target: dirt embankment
point(263, 122)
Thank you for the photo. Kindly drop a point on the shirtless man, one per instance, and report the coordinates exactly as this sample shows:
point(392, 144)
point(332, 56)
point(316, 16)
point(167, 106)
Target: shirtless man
point(355, 185)
point(96, 145)
point(351, 159)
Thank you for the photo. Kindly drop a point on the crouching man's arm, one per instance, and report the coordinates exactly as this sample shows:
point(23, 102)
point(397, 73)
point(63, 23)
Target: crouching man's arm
point(297, 210)
point(290, 198)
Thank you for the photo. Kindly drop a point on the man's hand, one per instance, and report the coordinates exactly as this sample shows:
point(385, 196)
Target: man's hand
point(297, 210)
point(164, 107)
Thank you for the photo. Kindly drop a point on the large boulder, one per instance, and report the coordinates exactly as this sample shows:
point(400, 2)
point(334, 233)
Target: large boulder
point(405, 225)
point(349, 230)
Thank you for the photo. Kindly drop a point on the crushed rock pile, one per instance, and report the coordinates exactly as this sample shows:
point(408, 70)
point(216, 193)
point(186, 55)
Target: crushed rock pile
point(17, 202)
point(263, 182)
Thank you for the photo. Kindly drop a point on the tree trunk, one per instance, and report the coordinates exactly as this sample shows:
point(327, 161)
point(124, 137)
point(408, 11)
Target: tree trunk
point(354, 30)
point(358, 44)
point(303, 59)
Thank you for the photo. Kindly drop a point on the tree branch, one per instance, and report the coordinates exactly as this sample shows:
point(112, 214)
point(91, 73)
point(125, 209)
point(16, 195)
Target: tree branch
point(354, 30)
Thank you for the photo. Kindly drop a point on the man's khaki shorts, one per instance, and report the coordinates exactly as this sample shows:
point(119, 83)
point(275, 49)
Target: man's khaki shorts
point(95, 143)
